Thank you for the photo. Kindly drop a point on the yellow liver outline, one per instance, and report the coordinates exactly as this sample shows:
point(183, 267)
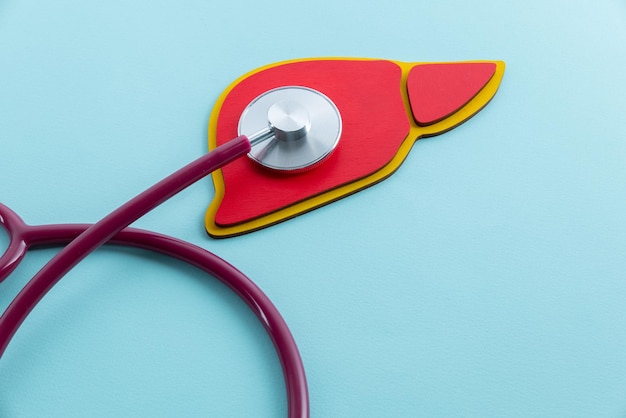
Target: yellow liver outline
point(470, 109)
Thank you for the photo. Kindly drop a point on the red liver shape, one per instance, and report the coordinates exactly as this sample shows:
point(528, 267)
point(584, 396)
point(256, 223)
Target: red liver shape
point(375, 122)
point(438, 90)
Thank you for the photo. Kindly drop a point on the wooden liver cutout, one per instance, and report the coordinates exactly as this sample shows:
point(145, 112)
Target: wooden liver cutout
point(385, 107)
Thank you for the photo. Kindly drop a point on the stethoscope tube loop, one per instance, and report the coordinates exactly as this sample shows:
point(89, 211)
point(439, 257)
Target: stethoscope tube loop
point(251, 294)
point(18, 244)
point(84, 239)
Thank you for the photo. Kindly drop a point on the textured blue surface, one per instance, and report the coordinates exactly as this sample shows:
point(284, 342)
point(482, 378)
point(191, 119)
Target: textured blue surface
point(485, 278)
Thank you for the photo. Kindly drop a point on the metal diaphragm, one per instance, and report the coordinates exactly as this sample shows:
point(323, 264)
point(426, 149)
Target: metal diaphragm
point(300, 127)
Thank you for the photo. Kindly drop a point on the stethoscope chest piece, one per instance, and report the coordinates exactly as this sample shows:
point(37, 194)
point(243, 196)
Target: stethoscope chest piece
point(291, 128)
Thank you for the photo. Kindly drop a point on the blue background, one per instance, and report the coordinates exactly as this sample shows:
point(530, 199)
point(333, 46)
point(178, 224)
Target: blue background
point(487, 277)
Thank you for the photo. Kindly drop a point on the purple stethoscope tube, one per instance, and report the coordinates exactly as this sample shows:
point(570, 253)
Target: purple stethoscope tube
point(83, 239)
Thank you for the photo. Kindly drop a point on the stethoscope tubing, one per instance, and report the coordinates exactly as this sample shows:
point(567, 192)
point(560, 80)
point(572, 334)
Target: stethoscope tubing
point(103, 230)
point(83, 239)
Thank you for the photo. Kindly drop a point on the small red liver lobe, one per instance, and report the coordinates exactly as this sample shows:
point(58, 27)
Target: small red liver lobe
point(438, 90)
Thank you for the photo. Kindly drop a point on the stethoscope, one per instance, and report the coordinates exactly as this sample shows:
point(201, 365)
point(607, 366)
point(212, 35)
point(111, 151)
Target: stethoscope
point(287, 129)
